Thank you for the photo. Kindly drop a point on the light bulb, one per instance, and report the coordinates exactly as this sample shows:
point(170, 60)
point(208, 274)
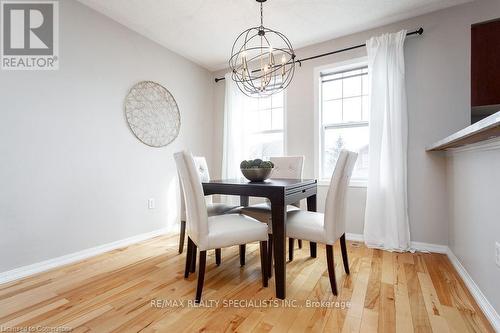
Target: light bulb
point(244, 60)
point(283, 62)
point(271, 63)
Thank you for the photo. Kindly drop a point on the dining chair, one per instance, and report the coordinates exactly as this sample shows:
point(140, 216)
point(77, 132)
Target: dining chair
point(328, 227)
point(213, 232)
point(285, 167)
point(212, 208)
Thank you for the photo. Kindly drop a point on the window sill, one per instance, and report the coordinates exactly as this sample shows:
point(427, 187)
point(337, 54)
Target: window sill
point(353, 183)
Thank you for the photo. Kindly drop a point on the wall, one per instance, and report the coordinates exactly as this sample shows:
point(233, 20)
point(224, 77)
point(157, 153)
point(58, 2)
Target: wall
point(474, 180)
point(438, 90)
point(72, 174)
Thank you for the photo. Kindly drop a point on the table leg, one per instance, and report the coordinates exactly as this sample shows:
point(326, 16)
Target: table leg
point(242, 254)
point(311, 206)
point(311, 203)
point(279, 219)
point(244, 201)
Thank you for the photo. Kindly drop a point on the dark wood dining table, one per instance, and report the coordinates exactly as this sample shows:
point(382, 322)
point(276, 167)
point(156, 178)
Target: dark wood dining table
point(280, 192)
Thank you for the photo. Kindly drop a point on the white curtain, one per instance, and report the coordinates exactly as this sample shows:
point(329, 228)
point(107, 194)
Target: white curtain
point(386, 217)
point(233, 146)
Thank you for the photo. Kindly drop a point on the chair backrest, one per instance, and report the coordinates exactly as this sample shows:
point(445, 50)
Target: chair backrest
point(288, 167)
point(196, 208)
point(202, 168)
point(335, 217)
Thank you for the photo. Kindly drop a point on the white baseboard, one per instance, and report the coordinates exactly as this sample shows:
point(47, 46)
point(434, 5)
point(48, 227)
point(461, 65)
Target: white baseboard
point(488, 310)
point(45, 265)
point(418, 246)
point(354, 237)
point(428, 247)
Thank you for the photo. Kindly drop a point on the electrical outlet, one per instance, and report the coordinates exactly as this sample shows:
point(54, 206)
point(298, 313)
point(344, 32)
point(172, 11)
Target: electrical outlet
point(497, 253)
point(151, 203)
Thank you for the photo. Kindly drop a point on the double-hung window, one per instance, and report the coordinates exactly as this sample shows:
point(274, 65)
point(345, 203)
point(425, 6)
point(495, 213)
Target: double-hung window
point(344, 118)
point(264, 126)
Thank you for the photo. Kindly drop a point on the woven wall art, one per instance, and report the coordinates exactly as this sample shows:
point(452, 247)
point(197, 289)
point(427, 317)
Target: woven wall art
point(152, 114)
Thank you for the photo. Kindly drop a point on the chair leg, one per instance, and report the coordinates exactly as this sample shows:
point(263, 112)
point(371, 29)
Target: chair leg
point(217, 257)
point(313, 249)
point(189, 257)
point(201, 275)
point(343, 247)
point(290, 248)
point(193, 258)
point(263, 263)
point(243, 248)
point(331, 268)
point(182, 236)
point(270, 256)
point(300, 243)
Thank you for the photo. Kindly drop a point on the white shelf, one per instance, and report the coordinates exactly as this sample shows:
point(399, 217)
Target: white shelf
point(485, 129)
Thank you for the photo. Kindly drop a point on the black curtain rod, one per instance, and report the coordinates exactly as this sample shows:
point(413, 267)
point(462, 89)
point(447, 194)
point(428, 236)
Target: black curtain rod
point(419, 31)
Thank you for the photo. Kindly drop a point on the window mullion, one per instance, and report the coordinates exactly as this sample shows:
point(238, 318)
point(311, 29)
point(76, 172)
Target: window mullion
point(342, 98)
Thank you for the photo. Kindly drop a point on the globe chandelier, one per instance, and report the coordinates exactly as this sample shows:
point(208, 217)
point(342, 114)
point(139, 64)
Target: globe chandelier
point(262, 60)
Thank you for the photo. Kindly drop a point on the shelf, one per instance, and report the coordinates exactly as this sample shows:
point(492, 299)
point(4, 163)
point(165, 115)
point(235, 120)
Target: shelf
point(485, 129)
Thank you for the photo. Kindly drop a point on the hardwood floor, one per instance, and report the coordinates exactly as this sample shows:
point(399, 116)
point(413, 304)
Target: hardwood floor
point(114, 292)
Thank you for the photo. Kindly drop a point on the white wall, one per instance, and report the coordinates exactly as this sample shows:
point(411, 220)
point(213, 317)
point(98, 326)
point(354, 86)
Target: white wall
point(72, 175)
point(438, 89)
point(474, 182)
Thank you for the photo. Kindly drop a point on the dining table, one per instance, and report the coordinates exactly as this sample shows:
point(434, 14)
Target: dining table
point(280, 193)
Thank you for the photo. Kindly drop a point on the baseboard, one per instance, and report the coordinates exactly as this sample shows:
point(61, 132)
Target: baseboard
point(46, 265)
point(488, 310)
point(428, 247)
point(418, 246)
point(354, 237)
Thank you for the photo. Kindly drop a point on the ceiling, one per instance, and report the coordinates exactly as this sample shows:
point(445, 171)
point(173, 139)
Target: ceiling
point(204, 30)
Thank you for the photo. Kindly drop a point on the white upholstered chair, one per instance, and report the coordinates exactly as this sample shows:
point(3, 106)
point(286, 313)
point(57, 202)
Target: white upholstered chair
point(285, 167)
point(327, 228)
point(213, 232)
point(212, 208)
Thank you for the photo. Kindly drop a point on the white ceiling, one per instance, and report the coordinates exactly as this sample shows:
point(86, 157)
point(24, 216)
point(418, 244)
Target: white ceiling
point(204, 30)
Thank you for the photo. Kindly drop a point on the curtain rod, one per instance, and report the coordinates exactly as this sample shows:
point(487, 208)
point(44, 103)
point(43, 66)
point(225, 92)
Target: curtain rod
point(419, 31)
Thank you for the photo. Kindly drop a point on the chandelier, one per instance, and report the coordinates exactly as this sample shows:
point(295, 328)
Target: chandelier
point(262, 60)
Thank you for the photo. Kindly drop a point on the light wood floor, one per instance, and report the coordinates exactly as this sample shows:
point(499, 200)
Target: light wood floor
point(112, 292)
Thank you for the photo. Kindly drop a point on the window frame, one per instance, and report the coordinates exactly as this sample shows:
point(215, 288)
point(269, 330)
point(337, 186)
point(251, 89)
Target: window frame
point(318, 124)
point(273, 131)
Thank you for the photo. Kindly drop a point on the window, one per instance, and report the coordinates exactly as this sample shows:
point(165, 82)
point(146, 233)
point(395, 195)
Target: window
point(344, 116)
point(264, 126)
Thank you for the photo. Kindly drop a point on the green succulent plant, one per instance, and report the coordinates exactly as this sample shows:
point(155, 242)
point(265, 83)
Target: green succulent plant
point(266, 164)
point(245, 164)
point(257, 163)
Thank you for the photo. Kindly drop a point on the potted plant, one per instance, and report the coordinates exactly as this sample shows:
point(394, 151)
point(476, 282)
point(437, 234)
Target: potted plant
point(256, 170)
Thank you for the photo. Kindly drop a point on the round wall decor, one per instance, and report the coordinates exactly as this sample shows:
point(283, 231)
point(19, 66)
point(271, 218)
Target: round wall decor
point(152, 114)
